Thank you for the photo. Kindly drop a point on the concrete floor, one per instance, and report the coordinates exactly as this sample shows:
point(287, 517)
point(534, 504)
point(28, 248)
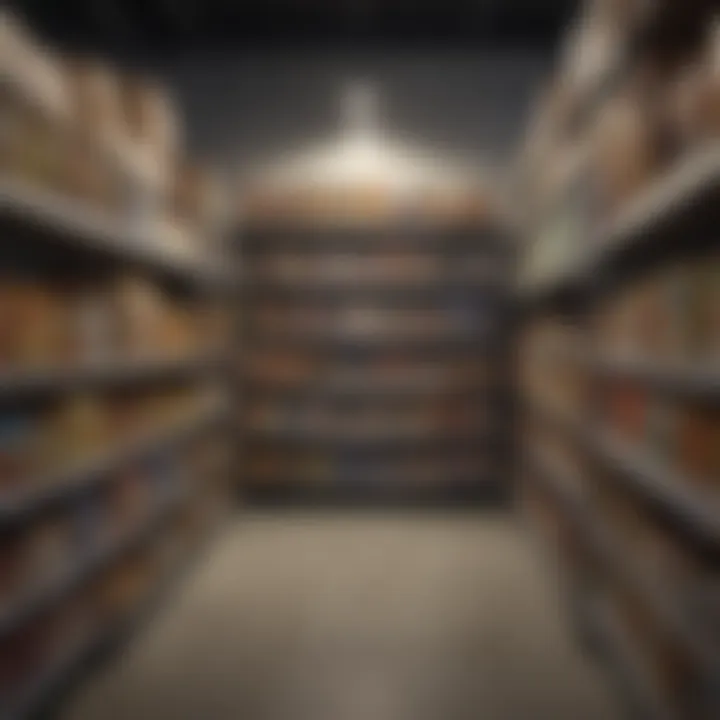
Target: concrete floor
point(357, 617)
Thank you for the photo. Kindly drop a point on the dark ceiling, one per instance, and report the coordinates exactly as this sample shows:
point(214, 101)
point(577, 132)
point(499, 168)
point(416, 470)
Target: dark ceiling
point(176, 25)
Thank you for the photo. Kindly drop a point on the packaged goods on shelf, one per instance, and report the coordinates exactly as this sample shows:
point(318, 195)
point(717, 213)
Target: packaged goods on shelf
point(22, 657)
point(703, 317)
point(76, 429)
point(95, 526)
point(123, 587)
point(31, 324)
point(627, 153)
point(698, 446)
point(18, 451)
point(668, 672)
point(625, 409)
point(694, 98)
point(95, 326)
point(52, 549)
point(151, 119)
point(198, 204)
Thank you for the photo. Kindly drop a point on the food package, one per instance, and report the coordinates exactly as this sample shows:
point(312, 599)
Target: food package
point(123, 587)
point(694, 97)
point(626, 153)
point(130, 501)
point(95, 327)
point(627, 412)
point(18, 452)
point(22, 658)
point(32, 324)
point(661, 437)
point(698, 456)
point(14, 570)
point(141, 313)
point(151, 118)
point(93, 527)
point(76, 431)
point(95, 93)
point(52, 549)
point(703, 318)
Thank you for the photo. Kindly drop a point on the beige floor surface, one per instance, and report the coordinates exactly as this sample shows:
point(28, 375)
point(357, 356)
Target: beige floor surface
point(357, 616)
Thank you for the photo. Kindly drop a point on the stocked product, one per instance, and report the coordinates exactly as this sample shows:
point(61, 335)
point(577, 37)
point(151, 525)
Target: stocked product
point(51, 549)
point(626, 150)
point(123, 587)
point(18, 452)
point(698, 446)
point(31, 324)
point(76, 430)
point(703, 321)
point(14, 570)
point(94, 527)
point(22, 657)
point(695, 96)
point(95, 327)
point(131, 500)
point(151, 119)
point(627, 409)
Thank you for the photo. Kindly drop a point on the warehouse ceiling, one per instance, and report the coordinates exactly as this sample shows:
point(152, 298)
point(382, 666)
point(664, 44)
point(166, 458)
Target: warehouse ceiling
point(179, 24)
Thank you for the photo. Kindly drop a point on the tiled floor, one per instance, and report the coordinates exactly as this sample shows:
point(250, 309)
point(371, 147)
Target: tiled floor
point(357, 617)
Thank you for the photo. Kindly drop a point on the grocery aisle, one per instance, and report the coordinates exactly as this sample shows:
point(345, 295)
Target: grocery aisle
point(357, 616)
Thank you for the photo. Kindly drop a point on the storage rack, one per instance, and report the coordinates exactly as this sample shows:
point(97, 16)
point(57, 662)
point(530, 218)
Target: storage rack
point(674, 221)
point(337, 459)
point(61, 236)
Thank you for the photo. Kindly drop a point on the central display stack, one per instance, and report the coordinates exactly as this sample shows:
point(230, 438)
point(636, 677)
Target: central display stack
point(374, 348)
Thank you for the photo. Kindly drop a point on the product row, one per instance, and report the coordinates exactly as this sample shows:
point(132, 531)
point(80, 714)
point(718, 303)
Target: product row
point(109, 554)
point(460, 321)
point(672, 313)
point(681, 436)
point(444, 418)
point(654, 603)
point(53, 325)
point(620, 116)
point(38, 442)
point(398, 268)
point(77, 128)
point(390, 371)
point(319, 468)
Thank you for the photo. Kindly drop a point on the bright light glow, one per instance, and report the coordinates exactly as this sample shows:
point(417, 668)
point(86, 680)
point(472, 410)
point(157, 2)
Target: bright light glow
point(363, 154)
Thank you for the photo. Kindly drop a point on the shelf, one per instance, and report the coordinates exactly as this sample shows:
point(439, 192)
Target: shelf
point(695, 514)
point(376, 393)
point(629, 668)
point(560, 418)
point(555, 480)
point(65, 484)
point(691, 186)
point(618, 562)
point(687, 378)
point(61, 673)
point(381, 237)
point(14, 383)
point(87, 229)
point(376, 344)
point(656, 599)
point(365, 443)
point(47, 597)
point(693, 183)
point(479, 292)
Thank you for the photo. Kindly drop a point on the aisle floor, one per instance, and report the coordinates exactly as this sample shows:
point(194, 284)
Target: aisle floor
point(357, 617)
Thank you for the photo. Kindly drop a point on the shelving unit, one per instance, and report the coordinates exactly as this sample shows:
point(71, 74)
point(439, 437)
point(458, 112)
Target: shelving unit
point(363, 315)
point(620, 402)
point(114, 368)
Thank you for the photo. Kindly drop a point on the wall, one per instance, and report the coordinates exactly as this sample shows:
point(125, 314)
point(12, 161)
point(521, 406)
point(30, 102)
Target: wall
point(246, 109)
